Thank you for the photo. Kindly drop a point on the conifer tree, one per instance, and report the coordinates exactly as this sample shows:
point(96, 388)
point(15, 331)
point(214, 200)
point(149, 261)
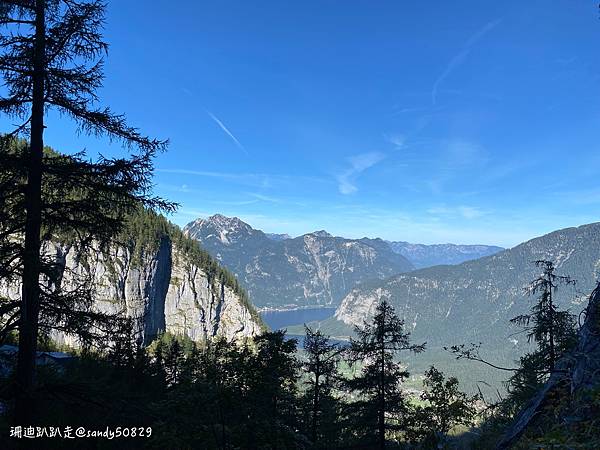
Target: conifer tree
point(322, 358)
point(552, 330)
point(51, 55)
point(381, 405)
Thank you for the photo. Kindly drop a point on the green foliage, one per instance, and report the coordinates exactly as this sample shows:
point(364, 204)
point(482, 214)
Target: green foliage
point(223, 395)
point(233, 397)
point(444, 408)
point(381, 406)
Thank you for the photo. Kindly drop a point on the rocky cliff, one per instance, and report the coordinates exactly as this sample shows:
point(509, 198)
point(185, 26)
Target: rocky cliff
point(162, 280)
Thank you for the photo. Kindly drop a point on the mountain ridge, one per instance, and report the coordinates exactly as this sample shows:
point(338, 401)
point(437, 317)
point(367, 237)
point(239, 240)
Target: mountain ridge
point(419, 255)
point(315, 269)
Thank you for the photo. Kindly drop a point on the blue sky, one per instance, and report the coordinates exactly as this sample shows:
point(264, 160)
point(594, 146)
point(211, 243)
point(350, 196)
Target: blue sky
point(430, 121)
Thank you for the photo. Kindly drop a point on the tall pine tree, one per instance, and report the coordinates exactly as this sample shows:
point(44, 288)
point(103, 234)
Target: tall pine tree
point(320, 368)
point(552, 330)
point(381, 405)
point(51, 54)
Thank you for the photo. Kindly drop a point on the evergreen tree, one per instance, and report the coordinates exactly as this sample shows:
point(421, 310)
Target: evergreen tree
point(51, 57)
point(380, 406)
point(272, 391)
point(445, 407)
point(173, 359)
point(552, 330)
point(322, 358)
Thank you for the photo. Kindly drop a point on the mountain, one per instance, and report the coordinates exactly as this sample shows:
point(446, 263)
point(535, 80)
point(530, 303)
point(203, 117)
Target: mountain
point(472, 302)
point(160, 278)
point(316, 269)
point(421, 255)
point(278, 237)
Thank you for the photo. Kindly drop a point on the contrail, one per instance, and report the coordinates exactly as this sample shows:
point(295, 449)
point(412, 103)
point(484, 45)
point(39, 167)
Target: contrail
point(226, 130)
point(460, 58)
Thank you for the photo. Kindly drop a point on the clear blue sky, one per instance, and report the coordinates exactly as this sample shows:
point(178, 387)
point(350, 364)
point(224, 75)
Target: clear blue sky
point(427, 121)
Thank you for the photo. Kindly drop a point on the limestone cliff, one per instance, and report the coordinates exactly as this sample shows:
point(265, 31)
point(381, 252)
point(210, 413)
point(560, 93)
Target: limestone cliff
point(166, 283)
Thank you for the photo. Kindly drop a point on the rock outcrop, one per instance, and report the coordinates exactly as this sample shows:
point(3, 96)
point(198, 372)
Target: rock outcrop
point(161, 286)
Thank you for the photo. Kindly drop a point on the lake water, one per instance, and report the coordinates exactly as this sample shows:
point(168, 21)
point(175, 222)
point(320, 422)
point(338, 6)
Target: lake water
point(281, 319)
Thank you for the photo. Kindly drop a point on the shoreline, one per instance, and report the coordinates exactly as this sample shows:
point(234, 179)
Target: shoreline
point(268, 309)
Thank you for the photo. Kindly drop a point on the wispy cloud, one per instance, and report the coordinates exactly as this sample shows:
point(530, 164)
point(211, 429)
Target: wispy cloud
point(264, 198)
point(247, 179)
point(226, 130)
point(465, 212)
point(251, 179)
point(358, 164)
point(461, 56)
point(397, 140)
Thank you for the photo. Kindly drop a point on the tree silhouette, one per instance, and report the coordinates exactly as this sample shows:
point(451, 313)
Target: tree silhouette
point(378, 384)
point(320, 366)
point(552, 330)
point(51, 58)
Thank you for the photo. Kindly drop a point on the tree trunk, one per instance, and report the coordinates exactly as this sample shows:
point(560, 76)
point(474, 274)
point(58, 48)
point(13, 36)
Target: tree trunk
point(381, 418)
point(315, 410)
point(551, 330)
point(30, 301)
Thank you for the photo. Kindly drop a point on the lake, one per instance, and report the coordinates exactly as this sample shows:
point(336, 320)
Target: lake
point(282, 319)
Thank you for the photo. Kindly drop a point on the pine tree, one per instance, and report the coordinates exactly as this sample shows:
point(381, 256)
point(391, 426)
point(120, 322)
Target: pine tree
point(378, 385)
point(552, 330)
point(322, 358)
point(51, 58)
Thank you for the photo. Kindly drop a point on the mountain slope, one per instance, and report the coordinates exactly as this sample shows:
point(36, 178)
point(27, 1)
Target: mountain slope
point(473, 301)
point(422, 256)
point(315, 269)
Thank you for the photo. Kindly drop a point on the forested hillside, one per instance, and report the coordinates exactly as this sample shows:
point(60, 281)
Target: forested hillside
point(474, 301)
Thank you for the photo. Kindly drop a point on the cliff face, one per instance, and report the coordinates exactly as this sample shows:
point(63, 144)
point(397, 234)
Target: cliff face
point(161, 288)
point(201, 308)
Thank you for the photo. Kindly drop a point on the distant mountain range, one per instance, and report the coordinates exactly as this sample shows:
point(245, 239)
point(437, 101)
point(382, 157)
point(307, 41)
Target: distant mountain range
point(316, 269)
point(278, 237)
point(422, 256)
